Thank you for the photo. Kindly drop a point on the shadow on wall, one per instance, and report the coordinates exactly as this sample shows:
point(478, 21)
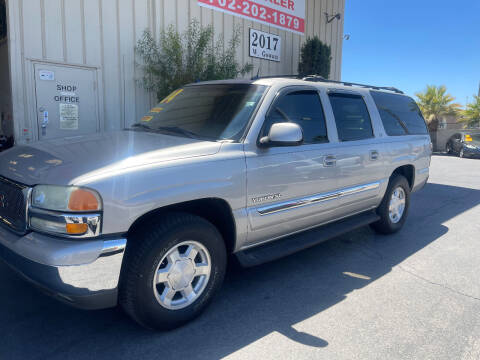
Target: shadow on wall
point(252, 304)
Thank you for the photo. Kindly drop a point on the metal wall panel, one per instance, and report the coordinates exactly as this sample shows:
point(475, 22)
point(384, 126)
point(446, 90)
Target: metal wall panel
point(102, 34)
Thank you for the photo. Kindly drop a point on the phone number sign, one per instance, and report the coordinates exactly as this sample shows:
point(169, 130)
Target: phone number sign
point(283, 14)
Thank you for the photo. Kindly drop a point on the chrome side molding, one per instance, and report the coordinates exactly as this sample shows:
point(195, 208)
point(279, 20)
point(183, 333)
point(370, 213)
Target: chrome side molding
point(287, 205)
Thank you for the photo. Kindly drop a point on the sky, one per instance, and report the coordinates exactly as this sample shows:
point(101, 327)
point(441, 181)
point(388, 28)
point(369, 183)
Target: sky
point(411, 43)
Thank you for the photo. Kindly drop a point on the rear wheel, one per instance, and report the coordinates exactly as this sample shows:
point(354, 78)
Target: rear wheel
point(394, 206)
point(172, 270)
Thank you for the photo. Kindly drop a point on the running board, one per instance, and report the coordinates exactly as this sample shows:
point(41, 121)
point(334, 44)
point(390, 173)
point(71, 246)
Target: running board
point(291, 244)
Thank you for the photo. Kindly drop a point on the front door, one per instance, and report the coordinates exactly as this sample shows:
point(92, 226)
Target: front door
point(66, 99)
point(288, 187)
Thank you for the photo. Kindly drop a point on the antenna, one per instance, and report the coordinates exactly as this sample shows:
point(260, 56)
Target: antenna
point(258, 73)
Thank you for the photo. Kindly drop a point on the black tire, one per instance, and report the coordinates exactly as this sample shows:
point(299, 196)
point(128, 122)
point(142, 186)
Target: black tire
point(385, 224)
point(449, 148)
point(146, 248)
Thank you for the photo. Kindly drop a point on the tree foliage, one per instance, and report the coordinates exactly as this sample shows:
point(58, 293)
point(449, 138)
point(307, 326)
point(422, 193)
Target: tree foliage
point(435, 102)
point(178, 59)
point(315, 58)
point(471, 115)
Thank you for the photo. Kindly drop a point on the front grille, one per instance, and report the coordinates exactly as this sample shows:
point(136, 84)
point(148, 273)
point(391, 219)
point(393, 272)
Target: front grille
point(13, 205)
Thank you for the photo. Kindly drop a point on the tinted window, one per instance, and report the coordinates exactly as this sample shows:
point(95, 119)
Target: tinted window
point(400, 114)
point(209, 111)
point(303, 108)
point(351, 116)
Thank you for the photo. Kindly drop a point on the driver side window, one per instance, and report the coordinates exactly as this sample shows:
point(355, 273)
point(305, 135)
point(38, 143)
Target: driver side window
point(303, 108)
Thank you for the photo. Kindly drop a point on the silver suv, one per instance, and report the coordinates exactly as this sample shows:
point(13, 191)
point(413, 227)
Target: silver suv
point(146, 217)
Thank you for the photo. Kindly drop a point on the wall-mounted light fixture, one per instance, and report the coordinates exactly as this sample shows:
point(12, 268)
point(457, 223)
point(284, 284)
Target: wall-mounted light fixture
point(330, 18)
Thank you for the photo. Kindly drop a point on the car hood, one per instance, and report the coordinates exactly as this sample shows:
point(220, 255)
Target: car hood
point(64, 161)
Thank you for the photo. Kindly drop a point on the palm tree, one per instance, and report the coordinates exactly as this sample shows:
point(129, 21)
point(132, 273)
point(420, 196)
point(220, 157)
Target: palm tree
point(435, 102)
point(471, 115)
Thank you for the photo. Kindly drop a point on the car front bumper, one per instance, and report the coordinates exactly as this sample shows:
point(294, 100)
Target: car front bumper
point(82, 273)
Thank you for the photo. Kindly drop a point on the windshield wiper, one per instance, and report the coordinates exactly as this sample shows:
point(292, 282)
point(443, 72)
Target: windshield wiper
point(177, 130)
point(141, 126)
point(163, 129)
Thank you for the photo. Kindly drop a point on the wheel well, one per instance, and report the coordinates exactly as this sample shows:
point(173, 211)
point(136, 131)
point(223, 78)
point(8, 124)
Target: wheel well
point(408, 171)
point(216, 211)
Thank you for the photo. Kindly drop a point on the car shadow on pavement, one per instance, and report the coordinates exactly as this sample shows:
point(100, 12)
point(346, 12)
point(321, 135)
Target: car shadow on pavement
point(253, 303)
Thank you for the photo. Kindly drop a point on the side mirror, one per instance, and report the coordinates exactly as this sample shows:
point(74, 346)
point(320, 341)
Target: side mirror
point(283, 134)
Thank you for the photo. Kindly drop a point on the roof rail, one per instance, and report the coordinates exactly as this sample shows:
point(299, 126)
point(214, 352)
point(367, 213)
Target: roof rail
point(275, 76)
point(316, 78)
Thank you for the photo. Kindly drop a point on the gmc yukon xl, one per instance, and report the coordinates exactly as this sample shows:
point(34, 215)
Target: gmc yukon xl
point(147, 217)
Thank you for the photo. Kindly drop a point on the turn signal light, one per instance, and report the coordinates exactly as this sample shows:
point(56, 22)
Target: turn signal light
point(77, 229)
point(83, 200)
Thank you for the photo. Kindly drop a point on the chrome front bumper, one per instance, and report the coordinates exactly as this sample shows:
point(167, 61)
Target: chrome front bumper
point(83, 273)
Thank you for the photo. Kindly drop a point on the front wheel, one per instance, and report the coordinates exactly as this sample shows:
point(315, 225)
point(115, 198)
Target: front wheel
point(449, 148)
point(394, 206)
point(172, 270)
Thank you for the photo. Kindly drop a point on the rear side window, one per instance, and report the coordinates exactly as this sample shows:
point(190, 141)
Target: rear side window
point(400, 114)
point(351, 116)
point(303, 108)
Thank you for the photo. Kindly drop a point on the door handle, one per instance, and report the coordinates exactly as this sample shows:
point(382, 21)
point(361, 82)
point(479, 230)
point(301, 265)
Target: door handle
point(329, 160)
point(45, 119)
point(374, 155)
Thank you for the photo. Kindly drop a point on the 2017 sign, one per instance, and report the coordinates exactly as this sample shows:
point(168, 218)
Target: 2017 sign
point(283, 14)
point(265, 46)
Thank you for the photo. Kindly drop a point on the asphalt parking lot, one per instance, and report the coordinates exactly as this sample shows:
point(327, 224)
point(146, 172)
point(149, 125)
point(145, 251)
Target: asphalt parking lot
point(414, 295)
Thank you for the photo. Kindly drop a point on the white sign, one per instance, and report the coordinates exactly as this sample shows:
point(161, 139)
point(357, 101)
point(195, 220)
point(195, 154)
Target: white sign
point(283, 14)
point(68, 117)
point(265, 46)
point(46, 75)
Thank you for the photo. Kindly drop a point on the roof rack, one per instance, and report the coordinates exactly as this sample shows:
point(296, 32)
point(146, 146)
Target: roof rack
point(318, 78)
point(275, 76)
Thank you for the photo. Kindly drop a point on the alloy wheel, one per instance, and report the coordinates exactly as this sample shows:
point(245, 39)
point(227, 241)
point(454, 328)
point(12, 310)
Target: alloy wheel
point(396, 206)
point(182, 275)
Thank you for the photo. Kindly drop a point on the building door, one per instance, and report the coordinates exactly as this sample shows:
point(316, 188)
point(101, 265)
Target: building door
point(66, 100)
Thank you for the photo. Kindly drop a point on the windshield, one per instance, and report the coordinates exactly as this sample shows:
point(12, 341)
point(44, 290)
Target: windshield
point(211, 112)
point(475, 138)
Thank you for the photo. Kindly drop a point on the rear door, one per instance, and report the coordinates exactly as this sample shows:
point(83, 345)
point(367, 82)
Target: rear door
point(359, 153)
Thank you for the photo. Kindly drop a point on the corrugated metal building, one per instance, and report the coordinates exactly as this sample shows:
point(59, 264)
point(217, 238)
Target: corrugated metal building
point(93, 41)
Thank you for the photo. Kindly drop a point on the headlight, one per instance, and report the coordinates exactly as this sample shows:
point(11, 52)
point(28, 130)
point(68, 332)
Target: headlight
point(65, 198)
point(66, 210)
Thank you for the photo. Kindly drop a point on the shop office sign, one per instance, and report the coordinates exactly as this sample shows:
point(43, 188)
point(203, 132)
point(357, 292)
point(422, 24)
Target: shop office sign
point(283, 14)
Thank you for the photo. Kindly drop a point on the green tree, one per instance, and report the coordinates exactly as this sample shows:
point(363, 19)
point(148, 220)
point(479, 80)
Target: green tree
point(471, 115)
point(435, 102)
point(315, 58)
point(181, 58)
